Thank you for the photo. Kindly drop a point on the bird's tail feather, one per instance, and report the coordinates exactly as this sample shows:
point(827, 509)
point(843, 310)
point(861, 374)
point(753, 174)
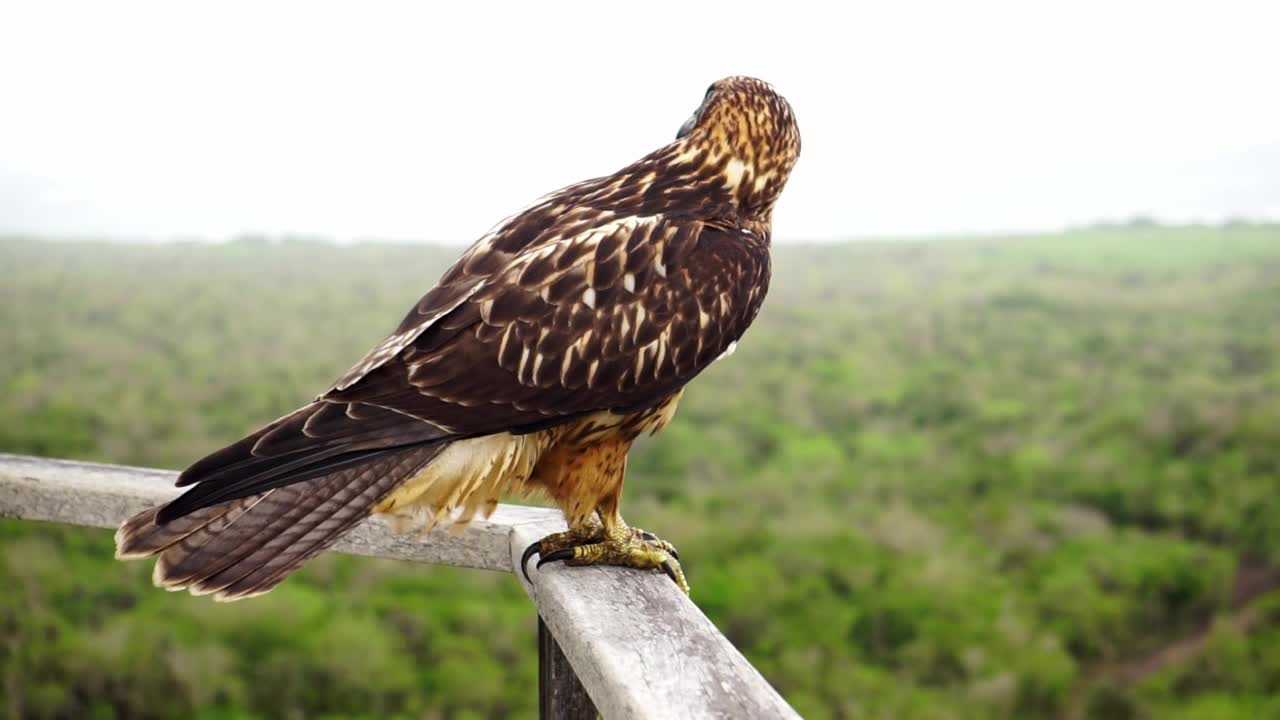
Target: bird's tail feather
point(245, 547)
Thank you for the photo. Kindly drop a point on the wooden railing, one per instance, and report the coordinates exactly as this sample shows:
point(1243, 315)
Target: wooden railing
point(611, 641)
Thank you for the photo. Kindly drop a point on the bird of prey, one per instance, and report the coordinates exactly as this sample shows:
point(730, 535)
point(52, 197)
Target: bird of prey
point(535, 362)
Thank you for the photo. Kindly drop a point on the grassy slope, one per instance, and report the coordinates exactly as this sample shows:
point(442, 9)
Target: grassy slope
point(951, 479)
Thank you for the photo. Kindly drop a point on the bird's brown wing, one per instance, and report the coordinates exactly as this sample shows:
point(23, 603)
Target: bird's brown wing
point(616, 316)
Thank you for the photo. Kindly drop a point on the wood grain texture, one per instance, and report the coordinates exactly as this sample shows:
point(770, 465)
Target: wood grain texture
point(103, 496)
point(641, 648)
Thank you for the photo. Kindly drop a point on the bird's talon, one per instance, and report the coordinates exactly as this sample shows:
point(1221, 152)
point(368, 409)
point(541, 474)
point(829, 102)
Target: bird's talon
point(562, 554)
point(650, 537)
point(533, 549)
point(551, 545)
point(670, 571)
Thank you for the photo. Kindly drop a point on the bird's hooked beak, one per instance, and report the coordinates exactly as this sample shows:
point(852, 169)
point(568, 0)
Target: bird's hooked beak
point(687, 127)
point(688, 124)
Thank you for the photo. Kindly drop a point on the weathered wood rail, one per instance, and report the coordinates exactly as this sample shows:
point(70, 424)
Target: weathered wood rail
point(612, 641)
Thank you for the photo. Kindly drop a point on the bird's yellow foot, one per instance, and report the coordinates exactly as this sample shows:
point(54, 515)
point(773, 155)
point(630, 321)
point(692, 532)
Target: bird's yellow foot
point(555, 542)
point(623, 546)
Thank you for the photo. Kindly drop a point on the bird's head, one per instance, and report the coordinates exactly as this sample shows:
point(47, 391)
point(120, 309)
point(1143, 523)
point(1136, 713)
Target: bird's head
point(728, 163)
point(745, 134)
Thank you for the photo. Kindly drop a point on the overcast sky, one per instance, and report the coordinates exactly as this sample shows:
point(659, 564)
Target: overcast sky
point(412, 121)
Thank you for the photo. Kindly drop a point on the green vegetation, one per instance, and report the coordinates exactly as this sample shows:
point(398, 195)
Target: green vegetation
point(970, 478)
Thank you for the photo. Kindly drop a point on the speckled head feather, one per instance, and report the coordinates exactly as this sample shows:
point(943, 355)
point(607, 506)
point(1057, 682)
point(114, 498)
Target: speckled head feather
point(728, 164)
point(749, 135)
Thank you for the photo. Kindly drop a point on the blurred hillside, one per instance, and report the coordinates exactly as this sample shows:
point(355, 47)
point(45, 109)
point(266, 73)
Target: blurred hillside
point(967, 478)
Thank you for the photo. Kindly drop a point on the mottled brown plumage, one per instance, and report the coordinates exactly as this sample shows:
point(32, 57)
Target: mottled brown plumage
point(533, 364)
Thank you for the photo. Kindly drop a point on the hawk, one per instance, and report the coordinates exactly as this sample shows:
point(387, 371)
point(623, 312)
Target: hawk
point(535, 362)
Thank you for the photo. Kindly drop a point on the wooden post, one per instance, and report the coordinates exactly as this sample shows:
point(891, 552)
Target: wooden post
point(560, 693)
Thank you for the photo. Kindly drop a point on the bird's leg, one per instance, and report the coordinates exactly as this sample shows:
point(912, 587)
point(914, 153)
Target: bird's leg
point(618, 544)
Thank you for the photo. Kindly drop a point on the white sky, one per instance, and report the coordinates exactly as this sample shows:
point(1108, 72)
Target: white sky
point(417, 121)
